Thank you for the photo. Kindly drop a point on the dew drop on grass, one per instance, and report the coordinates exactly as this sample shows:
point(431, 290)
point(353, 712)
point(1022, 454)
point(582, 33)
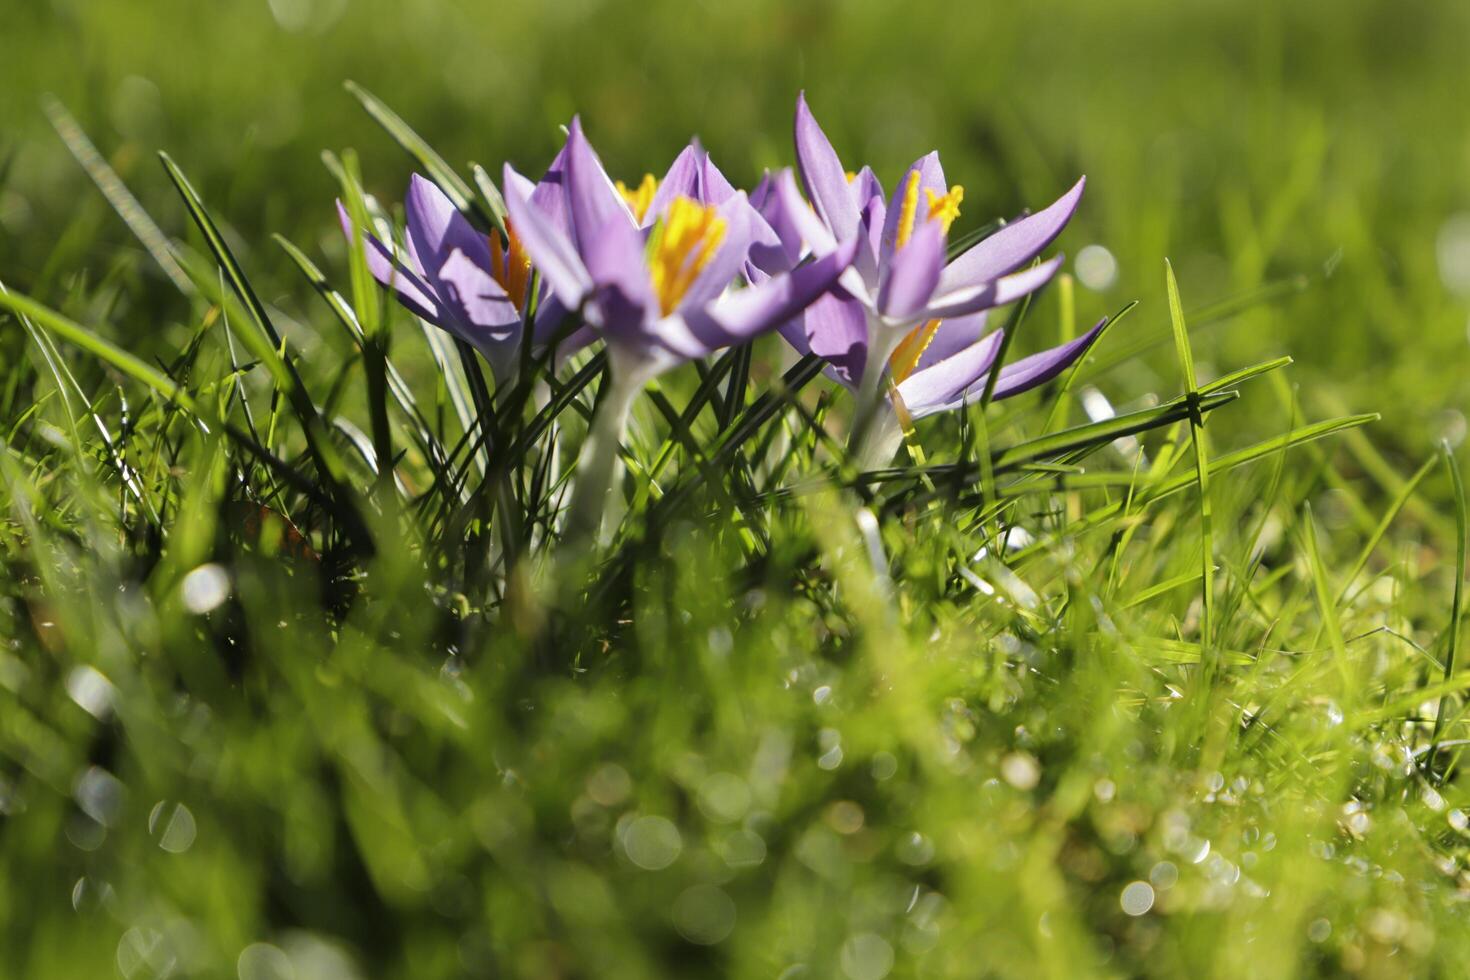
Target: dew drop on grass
point(85, 833)
point(1021, 770)
point(172, 826)
point(884, 766)
point(91, 691)
point(1164, 875)
point(205, 588)
point(845, 817)
point(100, 795)
point(609, 785)
point(262, 961)
point(652, 843)
point(1137, 898)
point(1096, 267)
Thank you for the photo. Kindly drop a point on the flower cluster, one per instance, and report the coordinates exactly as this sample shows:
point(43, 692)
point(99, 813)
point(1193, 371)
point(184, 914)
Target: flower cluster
point(674, 269)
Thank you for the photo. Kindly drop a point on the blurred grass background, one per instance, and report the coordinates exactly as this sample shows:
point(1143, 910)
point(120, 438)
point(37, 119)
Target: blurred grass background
point(1246, 141)
point(367, 812)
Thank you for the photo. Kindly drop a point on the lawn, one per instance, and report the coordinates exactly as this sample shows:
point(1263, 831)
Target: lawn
point(337, 648)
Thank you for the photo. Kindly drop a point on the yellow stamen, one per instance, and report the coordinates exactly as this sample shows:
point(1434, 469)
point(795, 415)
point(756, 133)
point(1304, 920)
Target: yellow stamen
point(639, 198)
point(510, 267)
point(943, 208)
point(906, 355)
point(908, 210)
point(851, 175)
point(682, 245)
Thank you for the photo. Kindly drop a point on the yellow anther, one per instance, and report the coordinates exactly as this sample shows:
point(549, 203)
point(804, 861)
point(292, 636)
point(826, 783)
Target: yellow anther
point(639, 198)
point(944, 208)
point(851, 175)
point(906, 355)
point(908, 210)
point(511, 267)
point(682, 245)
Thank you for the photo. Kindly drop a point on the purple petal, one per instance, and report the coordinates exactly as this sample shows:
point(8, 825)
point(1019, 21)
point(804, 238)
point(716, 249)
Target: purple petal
point(771, 250)
point(760, 196)
point(456, 261)
point(592, 200)
point(615, 258)
point(682, 180)
point(408, 287)
point(1038, 369)
point(551, 251)
point(931, 178)
point(821, 171)
point(622, 306)
point(912, 273)
point(868, 264)
point(1014, 245)
point(836, 329)
point(998, 292)
point(1027, 373)
point(794, 221)
point(930, 388)
point(754, 310)
point(714, 186)
point(437, 228)
point(866, 186)
point(550, 194)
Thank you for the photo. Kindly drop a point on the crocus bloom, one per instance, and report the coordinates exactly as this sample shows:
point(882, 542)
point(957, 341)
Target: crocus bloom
point(655, 286)
point(653, 280)
point(474, 286)
point(903, 309)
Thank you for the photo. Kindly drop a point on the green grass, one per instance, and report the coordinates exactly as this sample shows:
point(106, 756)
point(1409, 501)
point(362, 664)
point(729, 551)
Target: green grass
point(294, 682)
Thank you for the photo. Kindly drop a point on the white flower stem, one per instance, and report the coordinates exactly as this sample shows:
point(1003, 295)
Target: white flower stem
point(597, 466)
point(882, 341)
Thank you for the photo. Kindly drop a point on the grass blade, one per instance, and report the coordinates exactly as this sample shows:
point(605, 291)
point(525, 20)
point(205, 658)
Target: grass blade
point(1452, 643)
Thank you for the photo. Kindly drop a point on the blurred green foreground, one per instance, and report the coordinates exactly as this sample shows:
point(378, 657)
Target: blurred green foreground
point(815, 764)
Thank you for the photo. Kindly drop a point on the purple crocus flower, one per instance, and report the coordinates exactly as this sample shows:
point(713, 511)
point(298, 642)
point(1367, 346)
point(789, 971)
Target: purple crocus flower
point(655, 285)
point(904, 313)
point(472, 285)
point(656, 289)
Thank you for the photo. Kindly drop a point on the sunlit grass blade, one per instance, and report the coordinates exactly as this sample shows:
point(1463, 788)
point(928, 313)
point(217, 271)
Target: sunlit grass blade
point(156, 381)
point(417, 147)
point(1327, 606)
point(1219, 465)
point(1452, 631)
point(117, 194)
point(1202, 470)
